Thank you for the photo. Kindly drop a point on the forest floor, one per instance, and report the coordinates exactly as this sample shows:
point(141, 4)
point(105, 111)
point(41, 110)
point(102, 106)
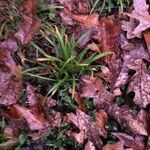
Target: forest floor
point(74, 74)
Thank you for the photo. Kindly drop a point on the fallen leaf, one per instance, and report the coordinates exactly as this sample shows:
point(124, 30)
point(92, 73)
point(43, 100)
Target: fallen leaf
point(90, 86)
point(88, 21)
point(87, 129)
point(10, 78)
point(123, 69)
point(125, 116)
point(129, 141)
point(101, 120)
point(94, 47)
point(147, 39)
point(141, 14)
point(115, 146)
point(35, 120)
point(144, 117)
point(140, 84)
point(89, 146)
point(30, 22)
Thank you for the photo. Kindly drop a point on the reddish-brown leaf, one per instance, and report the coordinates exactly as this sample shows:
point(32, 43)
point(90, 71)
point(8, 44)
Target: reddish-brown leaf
point(34, 119)
point(87, 129)
point(140, 84)
point(147, 39)
point(90, 86)
point(125, 116)
point(115, 146)
point(10, 78)
point(141, 14)
point(30, 22)
point(129, 141)
point(89, 146)
point(101, 120)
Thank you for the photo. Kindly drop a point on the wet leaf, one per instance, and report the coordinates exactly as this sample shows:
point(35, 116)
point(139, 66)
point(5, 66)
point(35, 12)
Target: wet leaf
point(30, 22)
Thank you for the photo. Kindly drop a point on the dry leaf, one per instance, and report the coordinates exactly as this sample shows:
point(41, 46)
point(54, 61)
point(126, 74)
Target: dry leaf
point(94, 47)
point(129, 141)
point(30, 22)
point(101, 120)
point(90, 86)
point(35, 120)
point(10, 78)
point(140, 13)
point(115, 146)
point(87, 129)
point(125, 116)
point(140, 84)
point(89, 146)
point(147, 39)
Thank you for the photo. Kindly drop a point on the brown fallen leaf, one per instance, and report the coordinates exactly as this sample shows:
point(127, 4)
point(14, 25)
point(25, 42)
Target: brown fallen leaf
point(10, 78)
point(110, 33)
point(90, 86)
point(125, 116)
point(101, 120)
point(94, 47)
point(30, 22)
point(141, 14)
point(115, 146)
point(129, 141)
point(89, 146)
point(35, 120)
point(144, 117)
point(88, 21)
point(140, 84)
point(87, 129)
point(147, 39)
point(123, 69)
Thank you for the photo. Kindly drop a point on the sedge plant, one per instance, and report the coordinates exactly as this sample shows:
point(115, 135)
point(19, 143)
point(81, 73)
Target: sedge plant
point(64, 68)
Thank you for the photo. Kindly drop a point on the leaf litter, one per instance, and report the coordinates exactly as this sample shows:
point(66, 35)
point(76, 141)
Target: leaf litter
point(123, 74)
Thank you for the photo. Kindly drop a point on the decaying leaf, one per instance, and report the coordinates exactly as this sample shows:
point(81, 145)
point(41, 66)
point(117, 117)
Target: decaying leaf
point(129, 59)
point(115, 146)
point(101, 120)
point(10, 78)
point(87, 129)
point(34, 119)
point(125, 116)
point(141, 14)
point(140, 84)
point(90, 86)
point(129, 141)
point(147, 39)
point(89, 146)
point(30, 22)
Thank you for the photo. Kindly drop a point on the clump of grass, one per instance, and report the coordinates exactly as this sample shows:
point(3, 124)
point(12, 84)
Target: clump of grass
point(66, 66)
